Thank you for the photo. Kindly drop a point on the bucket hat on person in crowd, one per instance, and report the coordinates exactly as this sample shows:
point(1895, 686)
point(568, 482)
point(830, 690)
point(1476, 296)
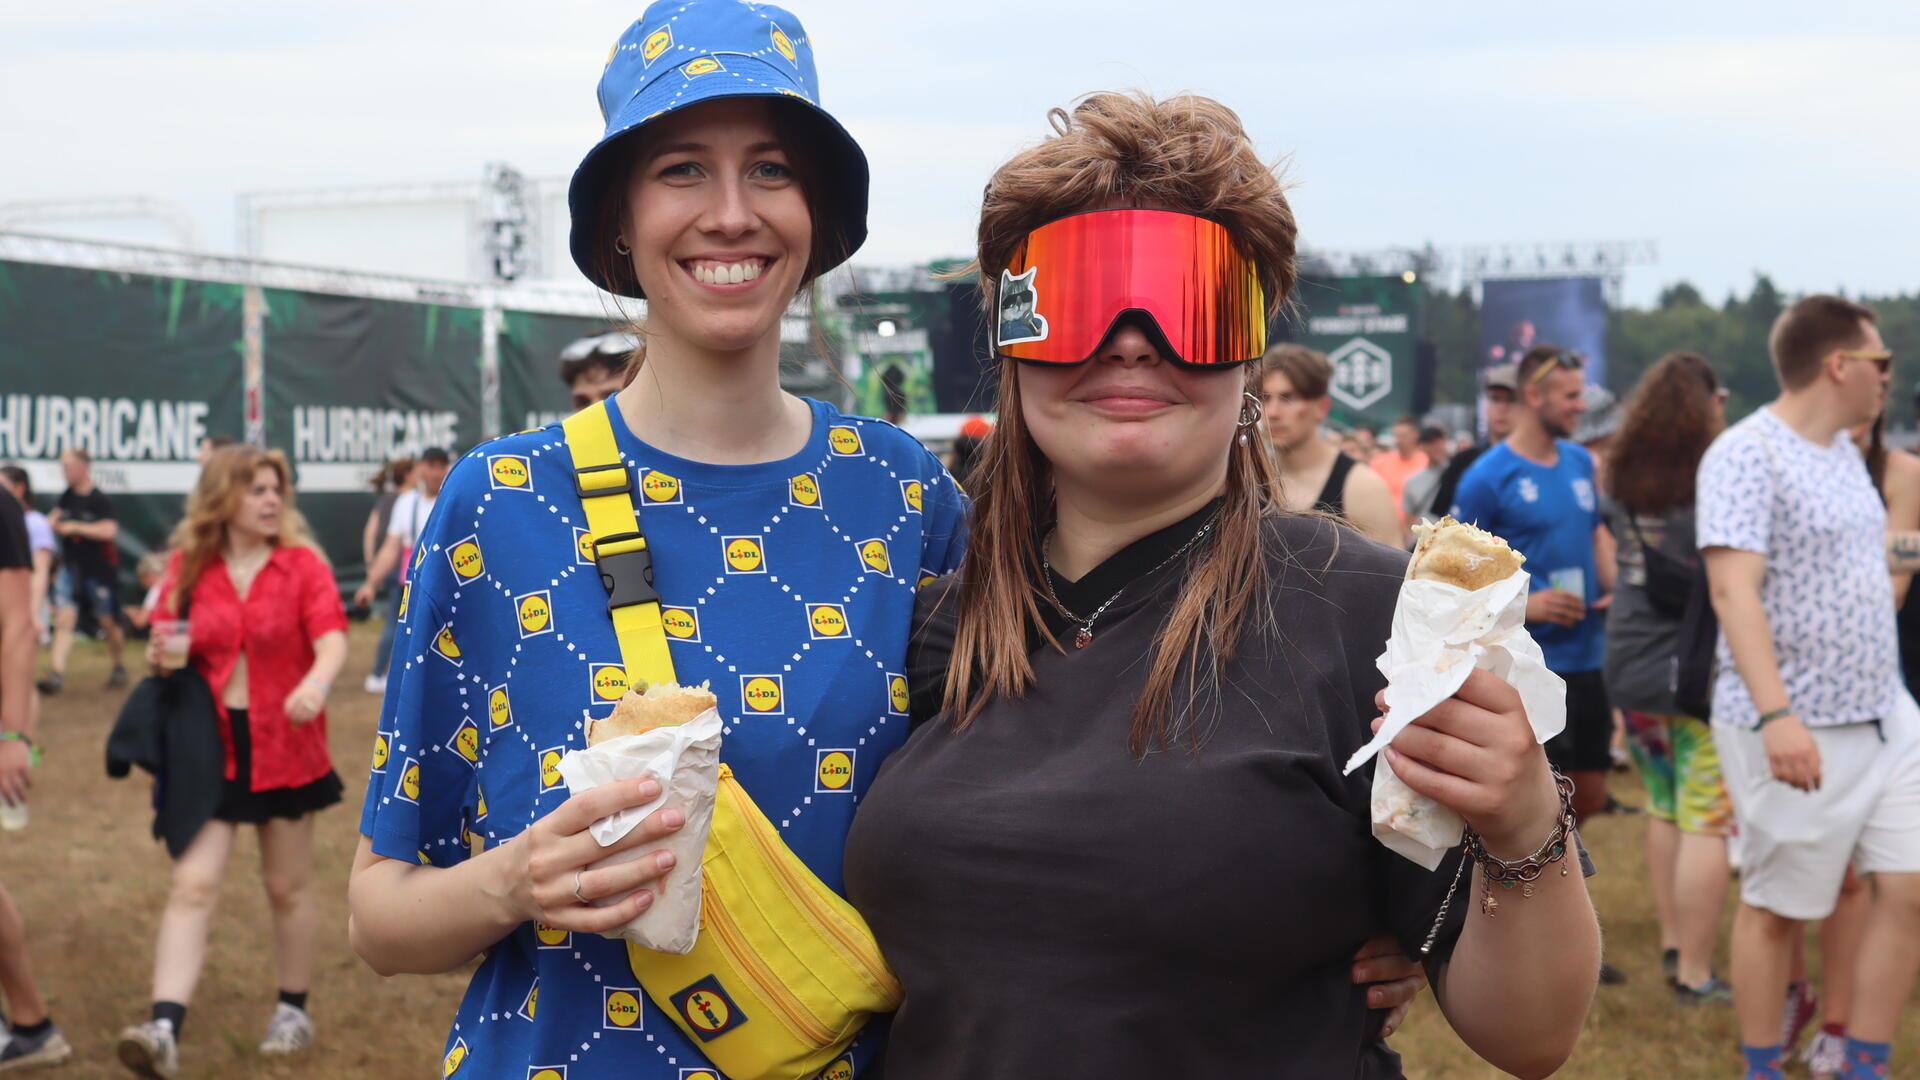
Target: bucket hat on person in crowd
point(683, 52)
point(1602, 417)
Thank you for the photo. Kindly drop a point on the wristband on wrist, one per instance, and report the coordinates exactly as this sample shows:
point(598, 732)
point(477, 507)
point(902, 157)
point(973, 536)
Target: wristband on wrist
point(33, 752)
point(1774, 714)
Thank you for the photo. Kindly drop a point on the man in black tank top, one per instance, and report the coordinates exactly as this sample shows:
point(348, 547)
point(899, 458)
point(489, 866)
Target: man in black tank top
point(1294, 401)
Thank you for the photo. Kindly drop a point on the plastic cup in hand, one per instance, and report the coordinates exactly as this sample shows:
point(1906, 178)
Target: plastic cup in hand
point(174, 636)
point(13, 816)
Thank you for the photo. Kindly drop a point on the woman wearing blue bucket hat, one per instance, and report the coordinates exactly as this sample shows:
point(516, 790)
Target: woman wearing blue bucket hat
point(787, 540)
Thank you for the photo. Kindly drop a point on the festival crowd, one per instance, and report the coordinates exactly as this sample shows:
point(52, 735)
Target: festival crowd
point(1146, 599)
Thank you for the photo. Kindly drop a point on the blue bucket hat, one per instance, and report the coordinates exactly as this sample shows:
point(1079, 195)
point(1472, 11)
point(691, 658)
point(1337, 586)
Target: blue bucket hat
point(682, 52)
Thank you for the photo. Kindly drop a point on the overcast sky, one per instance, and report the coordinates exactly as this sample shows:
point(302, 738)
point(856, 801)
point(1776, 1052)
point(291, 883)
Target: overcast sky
point(1781, 137)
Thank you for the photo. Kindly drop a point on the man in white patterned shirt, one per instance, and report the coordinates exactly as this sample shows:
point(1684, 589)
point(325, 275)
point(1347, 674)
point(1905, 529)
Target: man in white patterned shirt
point(1819, 742)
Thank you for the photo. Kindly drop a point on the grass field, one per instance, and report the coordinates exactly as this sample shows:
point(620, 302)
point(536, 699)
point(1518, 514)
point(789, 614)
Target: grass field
point(90, 883)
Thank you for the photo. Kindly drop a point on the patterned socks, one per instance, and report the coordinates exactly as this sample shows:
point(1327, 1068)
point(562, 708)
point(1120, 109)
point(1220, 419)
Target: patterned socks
point(1865, 1060)
point(1763, 1063)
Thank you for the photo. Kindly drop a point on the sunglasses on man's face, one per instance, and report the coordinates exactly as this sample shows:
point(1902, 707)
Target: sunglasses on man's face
point(1879, 358)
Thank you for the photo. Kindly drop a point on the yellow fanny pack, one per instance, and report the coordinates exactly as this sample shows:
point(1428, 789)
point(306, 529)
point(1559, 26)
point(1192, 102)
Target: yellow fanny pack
point(785, 972)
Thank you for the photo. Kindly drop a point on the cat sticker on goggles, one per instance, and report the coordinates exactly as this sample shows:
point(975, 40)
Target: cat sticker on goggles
point(1018, 319)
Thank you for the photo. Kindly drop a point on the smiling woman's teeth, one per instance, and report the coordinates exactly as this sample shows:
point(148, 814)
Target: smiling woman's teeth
point(727, 273)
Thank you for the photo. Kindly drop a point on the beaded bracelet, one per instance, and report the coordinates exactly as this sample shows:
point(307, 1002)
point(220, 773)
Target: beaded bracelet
point(1522, 872)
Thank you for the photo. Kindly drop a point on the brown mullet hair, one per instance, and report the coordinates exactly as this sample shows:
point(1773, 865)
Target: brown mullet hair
point(1187, 154)
point(1669, 423)
point(1804, 335)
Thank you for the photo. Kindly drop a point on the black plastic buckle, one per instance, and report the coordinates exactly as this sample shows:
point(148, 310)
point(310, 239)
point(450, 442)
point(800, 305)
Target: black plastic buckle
point(628, 575)
point(626, 480)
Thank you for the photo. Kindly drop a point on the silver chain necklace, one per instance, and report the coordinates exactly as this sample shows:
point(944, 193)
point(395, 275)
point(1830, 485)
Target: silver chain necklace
point(1083, 637)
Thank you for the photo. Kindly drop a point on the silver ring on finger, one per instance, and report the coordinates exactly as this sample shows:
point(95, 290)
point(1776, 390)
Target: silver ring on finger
point(576, 886)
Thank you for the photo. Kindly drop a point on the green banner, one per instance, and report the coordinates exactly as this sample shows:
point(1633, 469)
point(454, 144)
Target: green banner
point(352, 383)
point(531, 393)
point(133, 369)
point(1368, 327)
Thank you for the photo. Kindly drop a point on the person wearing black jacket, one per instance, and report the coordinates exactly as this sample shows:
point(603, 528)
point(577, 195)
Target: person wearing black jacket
point(1499, 387)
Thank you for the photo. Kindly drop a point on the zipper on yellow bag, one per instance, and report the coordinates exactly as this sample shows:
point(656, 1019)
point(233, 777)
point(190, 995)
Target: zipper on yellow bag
point(769, 987)
point(827, 920)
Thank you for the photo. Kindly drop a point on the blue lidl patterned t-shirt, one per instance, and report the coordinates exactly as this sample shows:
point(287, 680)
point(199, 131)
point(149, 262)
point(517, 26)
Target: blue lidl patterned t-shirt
point(788, 586)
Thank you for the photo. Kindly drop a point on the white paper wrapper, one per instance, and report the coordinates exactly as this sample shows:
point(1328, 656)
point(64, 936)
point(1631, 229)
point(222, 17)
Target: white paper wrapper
point(1442, 632)
point(686, 762)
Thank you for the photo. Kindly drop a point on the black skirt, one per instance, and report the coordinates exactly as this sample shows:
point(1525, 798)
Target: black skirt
point(239, 806)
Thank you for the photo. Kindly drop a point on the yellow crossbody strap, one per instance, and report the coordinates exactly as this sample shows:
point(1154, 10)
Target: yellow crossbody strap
point(620, 553)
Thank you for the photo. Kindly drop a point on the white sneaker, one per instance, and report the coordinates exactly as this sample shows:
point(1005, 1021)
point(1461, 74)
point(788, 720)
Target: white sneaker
point(375, 684)
point(1826, 1055)
point(290, 1031)
point(150, 1050)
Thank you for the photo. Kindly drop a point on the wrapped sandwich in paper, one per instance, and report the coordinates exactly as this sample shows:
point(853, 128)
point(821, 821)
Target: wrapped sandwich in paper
point(670, 733)
point(1463, 606)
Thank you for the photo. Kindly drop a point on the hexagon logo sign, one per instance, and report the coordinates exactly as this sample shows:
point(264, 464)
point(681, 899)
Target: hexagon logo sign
point(1362, 373)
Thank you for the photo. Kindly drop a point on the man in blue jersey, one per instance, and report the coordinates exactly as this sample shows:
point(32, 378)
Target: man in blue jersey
point(1536, 489)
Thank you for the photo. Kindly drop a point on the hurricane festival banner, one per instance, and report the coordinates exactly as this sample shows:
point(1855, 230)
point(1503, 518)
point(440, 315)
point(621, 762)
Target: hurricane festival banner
point(1367, 327)
point(133, 369)
point(1518, 313)
point(353, 382)
point(531, 393)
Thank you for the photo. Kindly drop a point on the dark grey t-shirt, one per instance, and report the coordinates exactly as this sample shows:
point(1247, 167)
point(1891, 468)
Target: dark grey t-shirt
point(1056, 907)
point(1641, 641)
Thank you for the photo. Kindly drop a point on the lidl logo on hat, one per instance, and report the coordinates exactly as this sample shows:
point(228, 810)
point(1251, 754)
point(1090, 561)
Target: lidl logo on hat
point(622, 1007)
point(844, 441)
point(499, 707)
point(465, 559)
point(707, 1009)
point(550, 777)
point(745, 555)
point(536, 613)
point(700, 65)
point(529, 1007)
point(550, 937)
point(762, 693)
point(381, 748)
point(546, 1072)
point(897, 698)
point(910, 493)
point(456, 1057)
point(583, 547)
point(681, 624)
point(841, 1069)
point(833, 772)
point(408, 789)
point(657, 43)
point(873, 556)
point(511, 472)
point(606, 683)
point(660, 488)
point(783, 45)
point(446, 648)
point(466, 742)
point(827, 622)
point(804, 490)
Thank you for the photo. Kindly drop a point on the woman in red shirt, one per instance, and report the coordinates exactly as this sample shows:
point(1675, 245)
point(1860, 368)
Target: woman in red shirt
point(269, 635)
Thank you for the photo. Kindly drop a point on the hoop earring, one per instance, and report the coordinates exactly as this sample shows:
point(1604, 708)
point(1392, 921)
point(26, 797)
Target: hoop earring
point(620, 245)
point(1250, 413)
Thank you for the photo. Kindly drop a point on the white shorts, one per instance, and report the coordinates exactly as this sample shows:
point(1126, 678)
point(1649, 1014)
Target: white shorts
point(1794, 846)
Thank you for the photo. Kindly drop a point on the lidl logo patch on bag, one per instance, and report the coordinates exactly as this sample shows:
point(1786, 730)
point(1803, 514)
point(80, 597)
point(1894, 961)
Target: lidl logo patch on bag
point(708, 1010)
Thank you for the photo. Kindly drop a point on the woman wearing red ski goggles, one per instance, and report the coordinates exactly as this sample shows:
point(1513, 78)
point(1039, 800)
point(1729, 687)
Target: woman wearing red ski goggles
point(1071, 281)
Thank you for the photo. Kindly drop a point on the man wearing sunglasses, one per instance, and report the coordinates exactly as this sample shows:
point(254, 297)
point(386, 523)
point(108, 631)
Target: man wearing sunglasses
point(1819, 742)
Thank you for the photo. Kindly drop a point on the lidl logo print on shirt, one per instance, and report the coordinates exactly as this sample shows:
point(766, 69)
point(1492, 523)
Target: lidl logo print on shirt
point(681, 624)
point(606, 683)
point(660, 489)
point(510, 472)
point(583, 547)
point(833, 772)
point(873, 556)
point(551, 937)
point(381, 748)
point(408, 790)
point(530, 1007)
point(622, 1007)
point(456, 1057)
point(804, 491)
point(844, 441)
point(446, 648)
point(762, 693)
point(550, 767)
point(911, 493)
point(536, 613)
point(499, 707)
point(745, 554)
point(466, 742)
point(841, 1069)
point(464, 557)
point(897, 699)
point(546, 1072)
point(707, 1009)
point(827, 622)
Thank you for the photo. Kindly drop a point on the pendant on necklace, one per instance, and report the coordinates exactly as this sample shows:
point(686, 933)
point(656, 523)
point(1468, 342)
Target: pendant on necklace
point(1083, 638)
